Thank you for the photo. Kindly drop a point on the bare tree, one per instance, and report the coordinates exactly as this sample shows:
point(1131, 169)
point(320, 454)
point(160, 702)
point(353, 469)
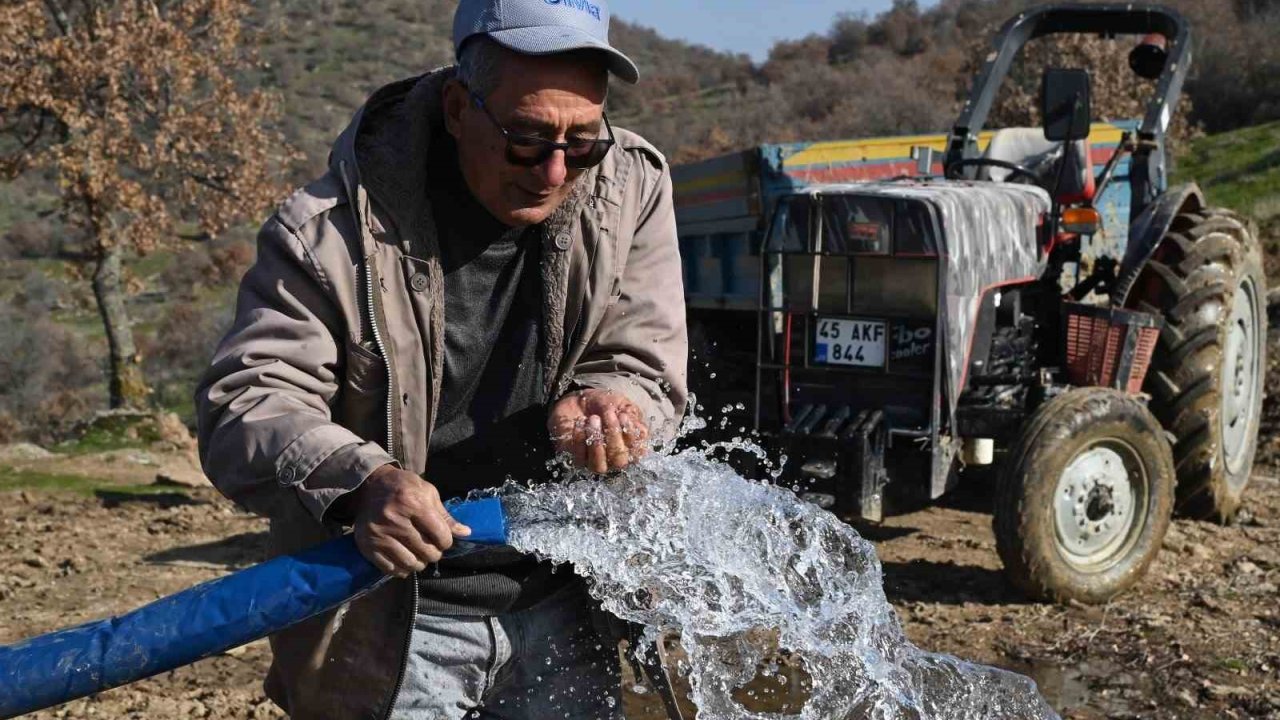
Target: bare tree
point(138, 107)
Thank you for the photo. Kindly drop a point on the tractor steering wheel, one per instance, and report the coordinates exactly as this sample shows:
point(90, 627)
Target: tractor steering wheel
point(953, 170)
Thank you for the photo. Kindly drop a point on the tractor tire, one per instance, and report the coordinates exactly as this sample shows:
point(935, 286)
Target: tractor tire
point(1206, 379)
point(1084, 499)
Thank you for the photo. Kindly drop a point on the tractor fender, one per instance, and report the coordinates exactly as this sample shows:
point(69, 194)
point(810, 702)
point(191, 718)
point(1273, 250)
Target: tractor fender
point(1148, 229)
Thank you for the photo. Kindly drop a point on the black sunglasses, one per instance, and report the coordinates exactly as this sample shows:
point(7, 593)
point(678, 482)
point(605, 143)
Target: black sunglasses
point(531, 150)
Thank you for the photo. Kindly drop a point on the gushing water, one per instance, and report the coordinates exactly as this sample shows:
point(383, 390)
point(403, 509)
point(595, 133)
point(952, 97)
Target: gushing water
point(746, 572)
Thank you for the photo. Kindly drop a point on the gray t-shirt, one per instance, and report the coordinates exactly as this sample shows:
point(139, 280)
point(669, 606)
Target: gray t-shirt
point(491, 421)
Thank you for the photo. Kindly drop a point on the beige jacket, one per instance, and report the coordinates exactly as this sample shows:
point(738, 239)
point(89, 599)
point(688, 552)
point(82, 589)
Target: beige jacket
point(333, 365)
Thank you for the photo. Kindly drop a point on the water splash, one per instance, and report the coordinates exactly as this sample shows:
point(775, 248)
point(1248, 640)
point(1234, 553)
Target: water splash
point(747, 573)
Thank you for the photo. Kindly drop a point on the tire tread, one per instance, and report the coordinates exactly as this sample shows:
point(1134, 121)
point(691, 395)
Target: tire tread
point(1200, 266)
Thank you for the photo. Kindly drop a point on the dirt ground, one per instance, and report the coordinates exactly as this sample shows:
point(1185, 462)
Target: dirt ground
point(1198, 638)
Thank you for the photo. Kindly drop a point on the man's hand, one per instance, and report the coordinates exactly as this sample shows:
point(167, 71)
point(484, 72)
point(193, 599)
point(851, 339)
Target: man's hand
point(400, 524)
point(602, 430)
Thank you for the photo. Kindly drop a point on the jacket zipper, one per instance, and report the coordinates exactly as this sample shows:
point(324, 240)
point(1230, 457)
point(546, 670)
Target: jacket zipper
point(382, 352)
point(371, 298)
point(391, 449)
point(406, 645)
point(404, 651)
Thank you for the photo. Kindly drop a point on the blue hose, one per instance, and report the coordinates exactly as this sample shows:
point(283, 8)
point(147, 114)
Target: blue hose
point(202, 621)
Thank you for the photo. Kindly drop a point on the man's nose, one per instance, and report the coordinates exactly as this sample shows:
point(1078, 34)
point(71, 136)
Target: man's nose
point(553, 170)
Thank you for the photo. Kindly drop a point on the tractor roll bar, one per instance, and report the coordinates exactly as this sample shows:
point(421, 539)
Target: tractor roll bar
point(1108, 20)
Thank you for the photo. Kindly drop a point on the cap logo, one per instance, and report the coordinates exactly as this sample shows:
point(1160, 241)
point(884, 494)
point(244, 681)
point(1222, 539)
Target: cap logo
point(579, 5)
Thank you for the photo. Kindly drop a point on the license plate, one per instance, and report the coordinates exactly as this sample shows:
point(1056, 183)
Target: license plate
point(849, 342)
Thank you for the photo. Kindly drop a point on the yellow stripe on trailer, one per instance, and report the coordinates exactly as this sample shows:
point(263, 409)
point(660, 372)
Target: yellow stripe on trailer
point(731, 179)
point(840, 152)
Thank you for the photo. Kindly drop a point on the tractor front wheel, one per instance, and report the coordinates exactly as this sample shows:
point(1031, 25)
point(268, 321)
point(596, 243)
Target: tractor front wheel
point(1083, 503)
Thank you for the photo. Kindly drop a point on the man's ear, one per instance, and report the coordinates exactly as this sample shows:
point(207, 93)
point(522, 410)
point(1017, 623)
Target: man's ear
point(456, 98)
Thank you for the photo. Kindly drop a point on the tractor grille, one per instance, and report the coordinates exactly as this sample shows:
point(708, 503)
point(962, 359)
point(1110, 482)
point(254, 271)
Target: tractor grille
point(1109, 347)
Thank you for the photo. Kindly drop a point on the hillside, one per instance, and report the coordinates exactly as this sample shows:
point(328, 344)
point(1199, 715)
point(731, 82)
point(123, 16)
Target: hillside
point(1241, 170)
point(901, 71)
point(325, 58)
point(1238, 169)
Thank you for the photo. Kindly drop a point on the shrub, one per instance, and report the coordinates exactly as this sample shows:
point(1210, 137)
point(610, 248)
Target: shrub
point(188, 271)
point(230, 261)
point(39, 292)
point(48, 376)
point(205, 266)
point(31, 239)
point(177, 352)
point(849, 36)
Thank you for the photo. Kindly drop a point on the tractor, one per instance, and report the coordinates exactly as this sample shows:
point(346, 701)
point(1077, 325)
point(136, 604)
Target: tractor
point(1052, 310)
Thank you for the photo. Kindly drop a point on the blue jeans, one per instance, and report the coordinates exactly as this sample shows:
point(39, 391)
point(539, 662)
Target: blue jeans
point(546, 661)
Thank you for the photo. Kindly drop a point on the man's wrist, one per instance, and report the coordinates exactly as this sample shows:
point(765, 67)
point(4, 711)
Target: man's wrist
point(345, 508)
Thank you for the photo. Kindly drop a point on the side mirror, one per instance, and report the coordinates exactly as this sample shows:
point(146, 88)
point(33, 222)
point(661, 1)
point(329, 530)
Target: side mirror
point(1065, 104)
point(1148, 57)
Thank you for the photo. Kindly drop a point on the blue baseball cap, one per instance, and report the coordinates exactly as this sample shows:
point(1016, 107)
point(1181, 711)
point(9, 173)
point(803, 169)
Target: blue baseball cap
point(542, 27)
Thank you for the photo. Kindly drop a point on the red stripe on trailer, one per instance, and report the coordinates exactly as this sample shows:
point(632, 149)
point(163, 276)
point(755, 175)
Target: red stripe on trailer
point(856, 173)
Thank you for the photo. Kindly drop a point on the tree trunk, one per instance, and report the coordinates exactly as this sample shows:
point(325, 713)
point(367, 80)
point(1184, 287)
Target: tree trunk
point(128, 387)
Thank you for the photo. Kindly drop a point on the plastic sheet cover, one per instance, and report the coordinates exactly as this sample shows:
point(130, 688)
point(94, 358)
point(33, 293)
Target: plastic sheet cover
point(202, 621)
point(989, 239)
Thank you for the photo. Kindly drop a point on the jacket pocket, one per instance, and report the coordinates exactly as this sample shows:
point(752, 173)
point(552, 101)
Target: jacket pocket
point(362, 406)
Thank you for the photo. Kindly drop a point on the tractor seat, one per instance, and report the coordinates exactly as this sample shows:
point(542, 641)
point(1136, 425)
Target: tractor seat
point(1027, 147)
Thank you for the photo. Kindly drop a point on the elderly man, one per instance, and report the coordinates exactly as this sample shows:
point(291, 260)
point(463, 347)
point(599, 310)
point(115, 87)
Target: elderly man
point(487, 274)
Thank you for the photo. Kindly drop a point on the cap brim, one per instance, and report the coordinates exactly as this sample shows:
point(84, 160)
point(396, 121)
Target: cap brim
point(551, 39)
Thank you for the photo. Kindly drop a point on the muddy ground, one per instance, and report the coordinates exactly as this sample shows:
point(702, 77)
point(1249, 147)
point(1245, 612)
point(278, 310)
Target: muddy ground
point(1200, 638)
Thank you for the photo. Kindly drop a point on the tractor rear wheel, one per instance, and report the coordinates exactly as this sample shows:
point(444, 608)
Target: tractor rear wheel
point(1083, 501)
point(1206, 379)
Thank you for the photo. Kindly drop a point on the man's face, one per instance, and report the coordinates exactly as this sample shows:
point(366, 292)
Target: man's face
point(554, 97)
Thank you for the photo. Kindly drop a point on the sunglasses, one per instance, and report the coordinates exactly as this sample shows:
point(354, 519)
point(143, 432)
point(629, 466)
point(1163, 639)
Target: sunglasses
point(531, 150)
